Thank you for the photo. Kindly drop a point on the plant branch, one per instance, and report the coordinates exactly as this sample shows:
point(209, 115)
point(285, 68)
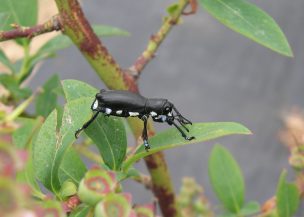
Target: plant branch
point(78, 29)
point(156, 39)
point(29, 32)
point(144, 180)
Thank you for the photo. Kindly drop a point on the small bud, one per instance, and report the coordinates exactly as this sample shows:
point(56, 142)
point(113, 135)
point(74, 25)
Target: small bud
point(297, 161)
point(146, 210)
point(68, 188)
point(96, 185)
point(52, 208)
point(114, 205)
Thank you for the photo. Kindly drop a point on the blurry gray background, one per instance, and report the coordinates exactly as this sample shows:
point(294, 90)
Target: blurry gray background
point(211, 74)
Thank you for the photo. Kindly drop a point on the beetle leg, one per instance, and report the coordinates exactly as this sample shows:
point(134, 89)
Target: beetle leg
point(181, 131)
point(145, 133)
point(182, 124)
point(86, 124)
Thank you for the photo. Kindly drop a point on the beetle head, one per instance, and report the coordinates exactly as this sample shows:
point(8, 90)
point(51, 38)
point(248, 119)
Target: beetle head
point(99, 95)
point(167, 108)
point(159, 106)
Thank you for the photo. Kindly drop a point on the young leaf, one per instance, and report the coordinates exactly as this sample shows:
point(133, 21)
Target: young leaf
point(250, 208)
point(287, 197)
point(74, 89)
point(226, 179)
point(108, 133)
point(12, 85)
point(47, 100)
point(3, 19)
point(23, 13)
point(22, 137)
point(4, 60)
point(80, 211)
point(108, 31)
point(52, 142)
point(250, 21)
point(171, 138)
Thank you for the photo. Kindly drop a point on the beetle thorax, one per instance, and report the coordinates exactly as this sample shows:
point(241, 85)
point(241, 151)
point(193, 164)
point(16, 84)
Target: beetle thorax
point(158, 106)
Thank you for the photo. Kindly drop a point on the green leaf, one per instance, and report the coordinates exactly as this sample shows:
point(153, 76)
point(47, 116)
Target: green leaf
point(22, 137)
point(250, 208)
point(80, 211)
point(72, 167)
point(108, 133)
point(171, 138)
point(287, 197)
point(61, 41)
point(52, 143)
point(104, 31)
point(27, 176)
point(45, 150)
point(23, 13)
point(226, 179)
point(3, 19)
point(4, 60)
point(172, 9)
point(47, 100)
point(250, 21)
point(68, 189)
point(12, 85)
point(74, 89)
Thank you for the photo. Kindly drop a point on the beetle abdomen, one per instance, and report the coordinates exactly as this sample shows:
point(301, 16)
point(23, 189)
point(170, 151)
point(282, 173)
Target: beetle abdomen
point(121, 100)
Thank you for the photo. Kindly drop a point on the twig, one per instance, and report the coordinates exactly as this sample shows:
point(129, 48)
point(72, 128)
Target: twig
point(22, 107)
point(54, 24)
point(156, 39)
point(81, 149)
point(143, 179)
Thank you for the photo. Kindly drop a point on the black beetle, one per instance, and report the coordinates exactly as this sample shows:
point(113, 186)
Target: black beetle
point(127, 104)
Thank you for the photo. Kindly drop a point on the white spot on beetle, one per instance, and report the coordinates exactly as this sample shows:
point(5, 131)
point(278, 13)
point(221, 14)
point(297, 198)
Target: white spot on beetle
point(133, 114)
point(108, 111)
point(169, 114)
point(119, 112)
point(95, 105)
point(153, 114)
point(163, 118)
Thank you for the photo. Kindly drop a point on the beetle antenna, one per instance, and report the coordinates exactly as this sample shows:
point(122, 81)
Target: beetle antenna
point(86, 124)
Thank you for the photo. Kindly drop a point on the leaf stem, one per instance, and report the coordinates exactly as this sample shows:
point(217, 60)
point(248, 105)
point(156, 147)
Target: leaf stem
point(21, 108)
point(85, 151)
